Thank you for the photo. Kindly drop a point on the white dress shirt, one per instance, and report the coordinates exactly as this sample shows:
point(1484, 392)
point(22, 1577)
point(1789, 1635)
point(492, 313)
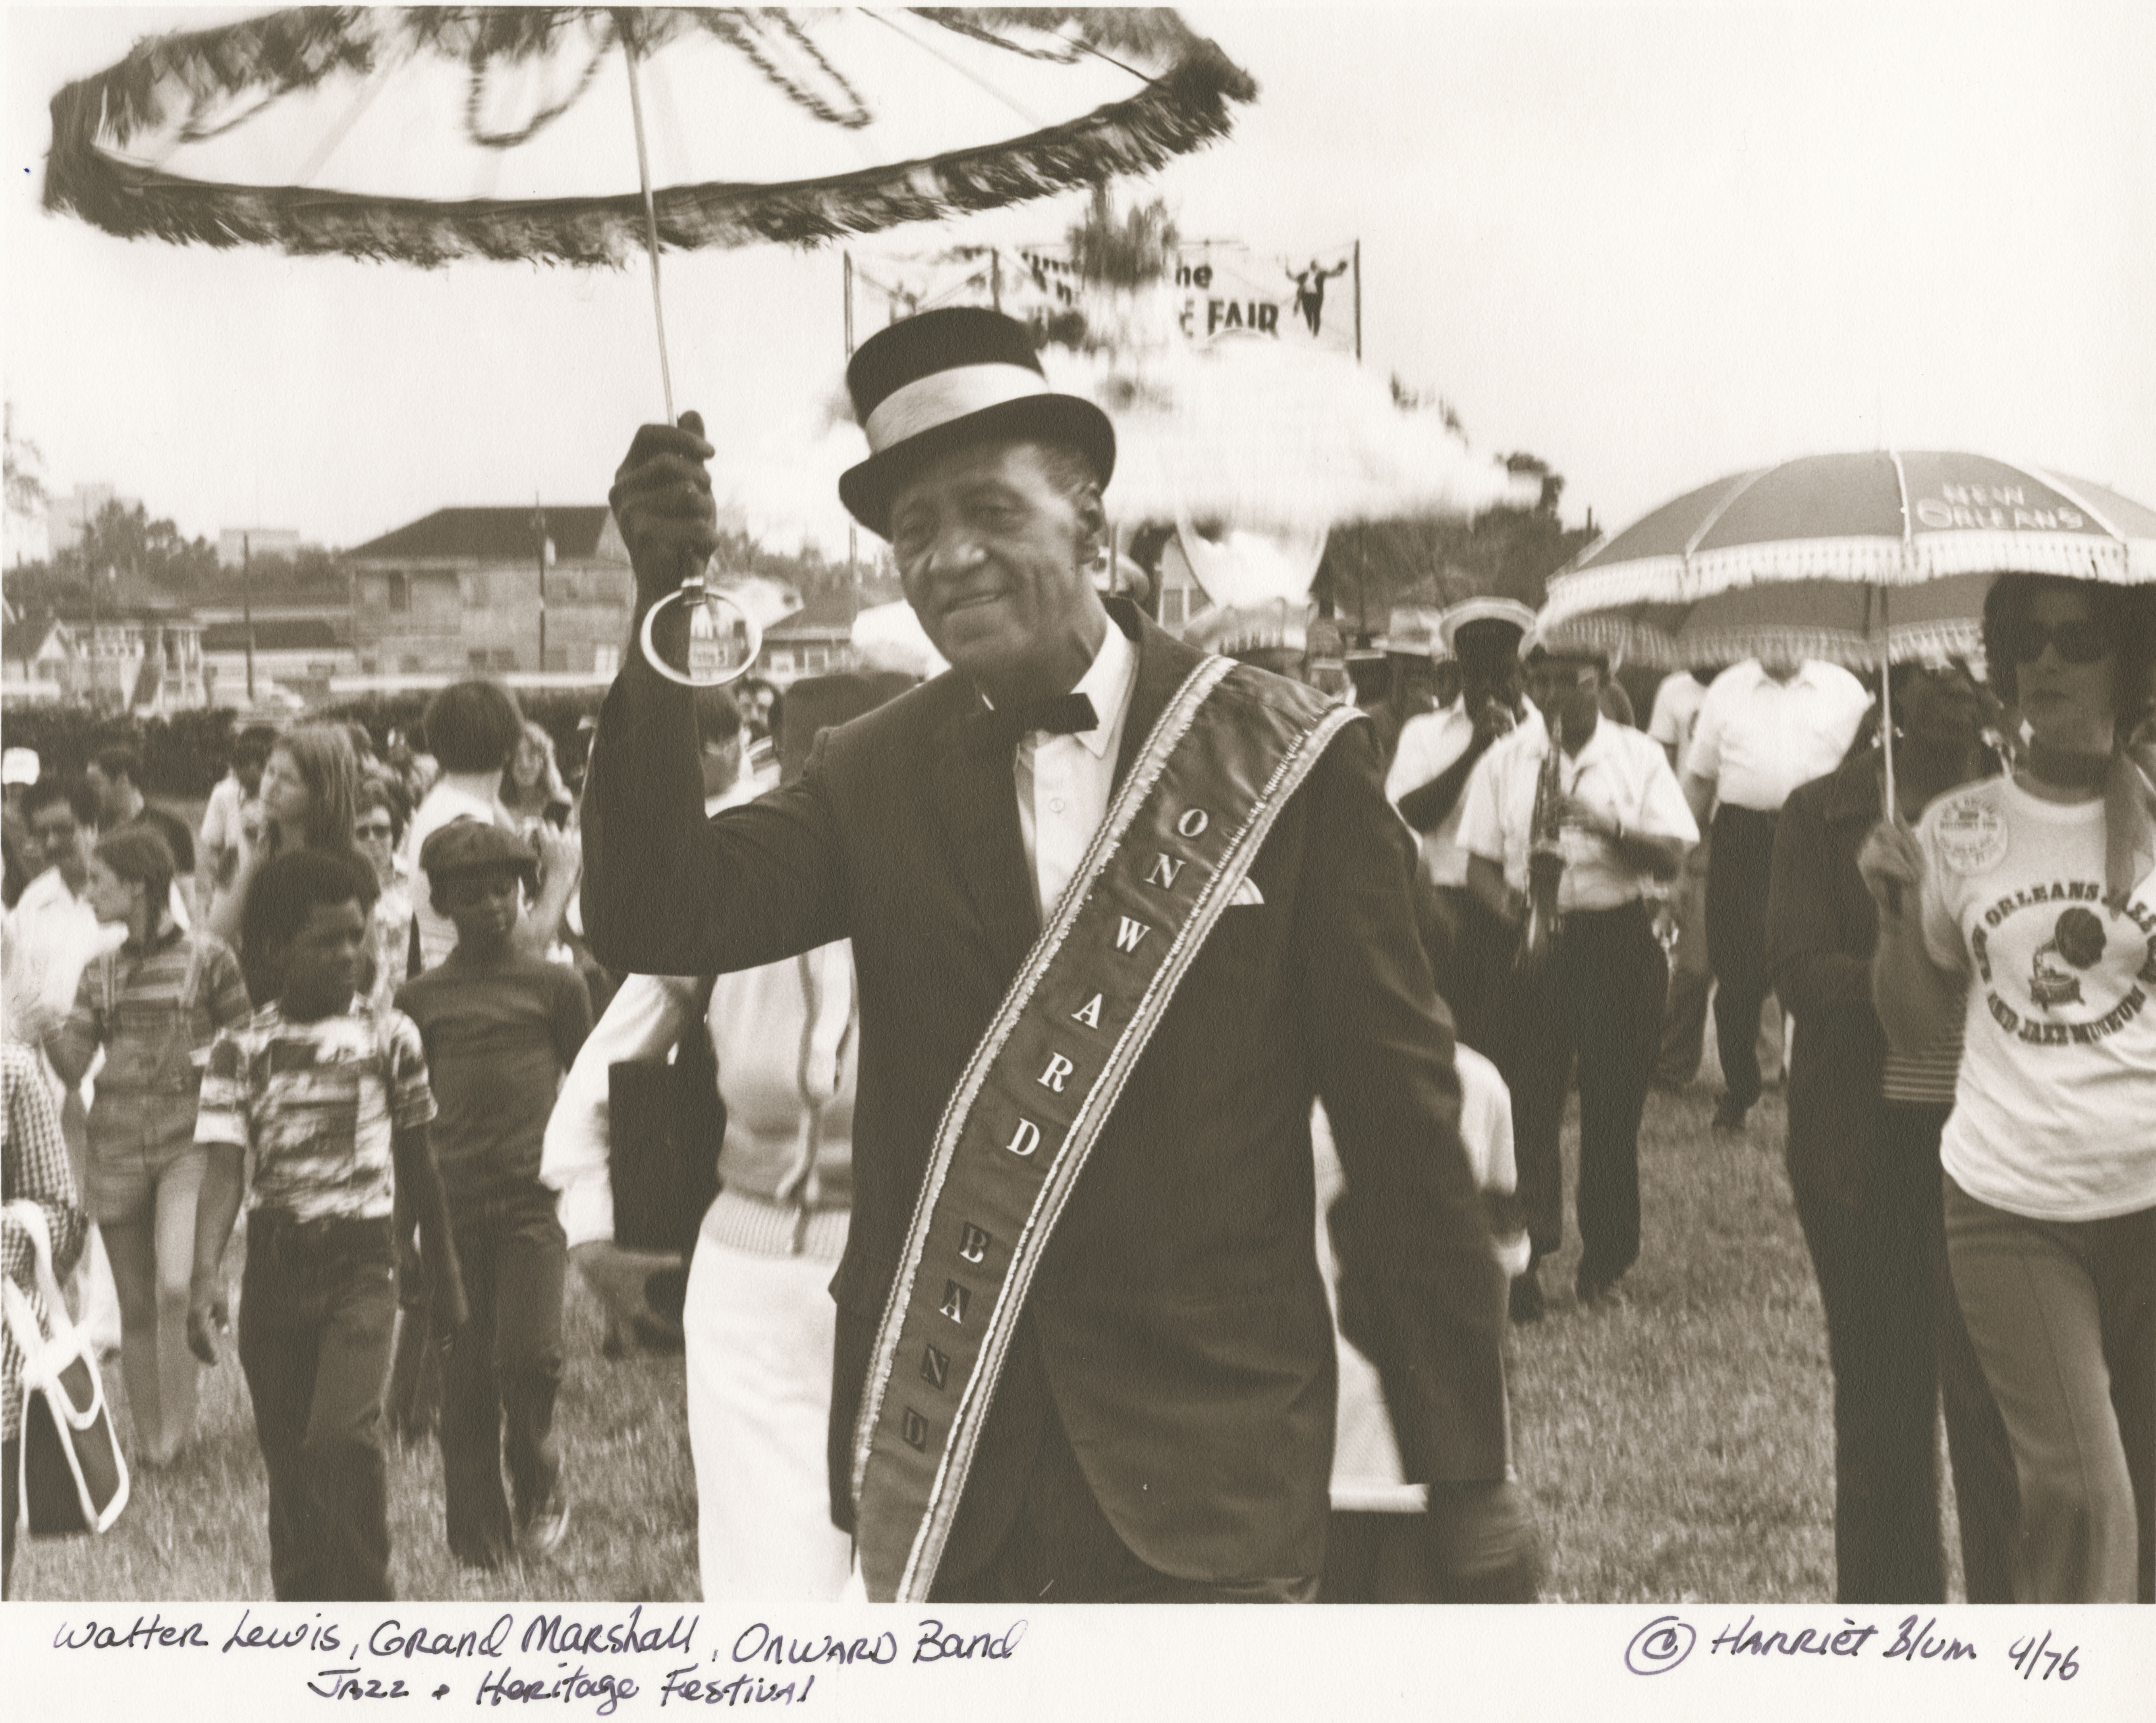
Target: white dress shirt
point(1620, 775)
point(1430, 744)
point(1064, 782)
point(1757, 739)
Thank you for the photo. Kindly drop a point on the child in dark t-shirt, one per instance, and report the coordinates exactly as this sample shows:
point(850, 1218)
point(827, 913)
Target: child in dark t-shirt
point(499, 1027)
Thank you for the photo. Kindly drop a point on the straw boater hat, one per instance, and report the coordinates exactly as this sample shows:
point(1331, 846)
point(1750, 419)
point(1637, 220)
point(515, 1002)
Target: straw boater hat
point(1508, 612)
point(1413, 631)
point(950, 378)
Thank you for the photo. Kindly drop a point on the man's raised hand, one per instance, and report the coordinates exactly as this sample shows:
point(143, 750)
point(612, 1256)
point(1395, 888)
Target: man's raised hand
point(662, 503)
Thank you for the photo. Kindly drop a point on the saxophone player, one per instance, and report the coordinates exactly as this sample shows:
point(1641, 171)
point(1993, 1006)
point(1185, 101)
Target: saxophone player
point(1610, 807)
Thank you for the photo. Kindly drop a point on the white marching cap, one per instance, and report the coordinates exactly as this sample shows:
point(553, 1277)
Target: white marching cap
point(1457, 616)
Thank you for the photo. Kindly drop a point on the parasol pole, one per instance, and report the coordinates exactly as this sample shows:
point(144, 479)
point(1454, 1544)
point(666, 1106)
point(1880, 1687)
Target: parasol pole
point(1893, 811)
point(650, 217)
point(1887, 701)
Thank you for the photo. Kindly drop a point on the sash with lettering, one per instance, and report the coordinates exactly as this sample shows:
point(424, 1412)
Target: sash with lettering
point(1180, 837)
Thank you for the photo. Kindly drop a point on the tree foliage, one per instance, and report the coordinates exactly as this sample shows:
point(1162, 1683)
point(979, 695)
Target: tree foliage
point(1508, 553)
point(1133, 249)
point(141, 552)
point(25, 481)
point(808, 570)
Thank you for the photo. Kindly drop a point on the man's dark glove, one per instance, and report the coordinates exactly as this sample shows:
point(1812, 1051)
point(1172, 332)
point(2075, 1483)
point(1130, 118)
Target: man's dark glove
point(1483, 1543)
point(662, 503)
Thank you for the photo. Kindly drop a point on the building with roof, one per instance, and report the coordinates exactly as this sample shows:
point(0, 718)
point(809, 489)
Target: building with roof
point(470, 590)
point(294, 656)
point(817, 640)
point(142, 658)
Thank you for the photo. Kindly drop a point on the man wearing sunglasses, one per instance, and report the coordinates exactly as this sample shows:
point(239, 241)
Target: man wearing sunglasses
point(1766, 726)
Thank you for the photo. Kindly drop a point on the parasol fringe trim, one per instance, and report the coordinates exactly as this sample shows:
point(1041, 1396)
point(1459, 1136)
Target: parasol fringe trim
point(1876, 561)
point(1183, 110)
point(1644, 644)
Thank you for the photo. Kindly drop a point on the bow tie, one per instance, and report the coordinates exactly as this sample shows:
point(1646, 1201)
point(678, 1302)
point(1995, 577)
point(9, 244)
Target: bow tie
point(1060, 714)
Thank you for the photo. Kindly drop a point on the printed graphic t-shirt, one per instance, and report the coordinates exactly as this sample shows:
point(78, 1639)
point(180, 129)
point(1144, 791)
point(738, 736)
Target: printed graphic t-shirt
point(318, 1103)
point(2057, 1088)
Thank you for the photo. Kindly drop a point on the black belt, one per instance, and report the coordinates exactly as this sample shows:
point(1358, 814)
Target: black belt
point(275, 1227)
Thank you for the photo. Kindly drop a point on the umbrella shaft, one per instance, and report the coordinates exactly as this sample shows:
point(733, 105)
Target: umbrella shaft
point(1893, 809)
point(650, 219)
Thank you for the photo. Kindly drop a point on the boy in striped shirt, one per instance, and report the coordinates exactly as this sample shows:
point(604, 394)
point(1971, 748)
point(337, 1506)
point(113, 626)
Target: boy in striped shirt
point(331, 1098)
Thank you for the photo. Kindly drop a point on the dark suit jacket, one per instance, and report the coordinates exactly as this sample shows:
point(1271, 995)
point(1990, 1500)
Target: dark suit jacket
point(1178, 1320)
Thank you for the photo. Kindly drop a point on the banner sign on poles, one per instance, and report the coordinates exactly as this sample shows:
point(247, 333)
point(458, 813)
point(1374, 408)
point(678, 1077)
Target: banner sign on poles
point(1216, 286)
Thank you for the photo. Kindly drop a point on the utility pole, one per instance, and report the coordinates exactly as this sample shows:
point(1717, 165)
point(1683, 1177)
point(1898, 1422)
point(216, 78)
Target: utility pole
point(1359, 301)
point(247, 606)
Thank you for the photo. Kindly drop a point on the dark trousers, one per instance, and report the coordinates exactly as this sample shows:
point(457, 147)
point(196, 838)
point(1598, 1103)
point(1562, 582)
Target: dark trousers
point(317, 1306)
point(1898, 1345)
point(503, 1370)
point(11, 1461)
point(1061, 1549)
point(1600, 1001)
point(1737, 877)
point(1384, 1558)
point(1476, 982)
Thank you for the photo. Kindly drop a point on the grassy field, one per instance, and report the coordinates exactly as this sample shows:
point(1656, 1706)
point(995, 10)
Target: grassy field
point(1678, 1447)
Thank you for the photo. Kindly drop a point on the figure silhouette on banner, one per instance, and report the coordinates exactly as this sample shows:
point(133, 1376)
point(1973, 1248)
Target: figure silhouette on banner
point(1309, 292)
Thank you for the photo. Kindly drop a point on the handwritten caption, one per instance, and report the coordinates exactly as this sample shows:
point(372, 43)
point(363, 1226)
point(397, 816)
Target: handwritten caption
point(1668, 1641)
point(550, 1657)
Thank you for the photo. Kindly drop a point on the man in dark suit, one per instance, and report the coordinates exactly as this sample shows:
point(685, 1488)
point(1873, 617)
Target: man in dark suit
point(1163, 1428)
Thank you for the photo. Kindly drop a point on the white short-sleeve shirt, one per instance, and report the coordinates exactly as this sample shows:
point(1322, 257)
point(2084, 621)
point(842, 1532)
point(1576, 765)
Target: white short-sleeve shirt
point(2055, 1107)
point(1430, 744)
point(1757, 739)
point(1620, 774)
point(444, 803)
point(1677, 698)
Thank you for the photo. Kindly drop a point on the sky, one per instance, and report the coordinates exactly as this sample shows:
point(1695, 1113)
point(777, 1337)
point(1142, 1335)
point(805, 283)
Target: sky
point(1651, 246)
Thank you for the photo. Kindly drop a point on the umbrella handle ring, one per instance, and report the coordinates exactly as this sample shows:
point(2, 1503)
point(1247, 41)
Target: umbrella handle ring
point(692, 593)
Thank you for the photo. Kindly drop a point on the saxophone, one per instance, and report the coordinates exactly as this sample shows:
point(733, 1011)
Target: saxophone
point(1545, 869)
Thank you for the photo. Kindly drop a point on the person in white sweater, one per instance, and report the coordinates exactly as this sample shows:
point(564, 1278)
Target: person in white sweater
point(757, 1321)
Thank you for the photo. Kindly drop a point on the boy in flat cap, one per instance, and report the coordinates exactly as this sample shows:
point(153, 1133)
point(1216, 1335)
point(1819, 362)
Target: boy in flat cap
point(500, 1027)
